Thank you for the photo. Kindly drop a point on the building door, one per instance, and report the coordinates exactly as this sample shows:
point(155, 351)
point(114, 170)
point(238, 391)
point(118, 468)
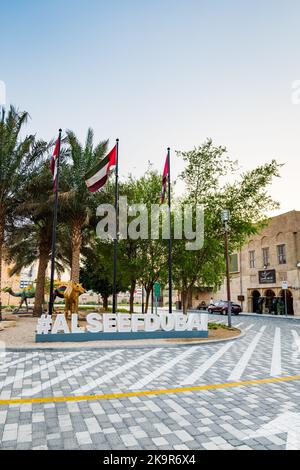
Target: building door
point(289, 301)
point(269, 306)
point(255, 297)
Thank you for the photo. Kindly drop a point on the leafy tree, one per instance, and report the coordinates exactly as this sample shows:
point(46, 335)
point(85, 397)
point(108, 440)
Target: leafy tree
point(129, 250)
point(138, 259)
point(96, 273)
point(18, 156)
point(30, 237)
point(78, 205)
point(246, 198)
point(152, 257)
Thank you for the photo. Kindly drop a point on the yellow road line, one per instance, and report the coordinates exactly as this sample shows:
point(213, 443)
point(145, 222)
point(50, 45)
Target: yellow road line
point(138, 393)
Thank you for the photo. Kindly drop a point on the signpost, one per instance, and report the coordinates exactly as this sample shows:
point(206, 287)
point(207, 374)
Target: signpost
point(156, 294)
point(284, 287)
point(157, 289)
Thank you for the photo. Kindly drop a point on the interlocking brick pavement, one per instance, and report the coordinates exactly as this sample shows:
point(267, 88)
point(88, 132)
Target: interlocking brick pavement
point(225, 418)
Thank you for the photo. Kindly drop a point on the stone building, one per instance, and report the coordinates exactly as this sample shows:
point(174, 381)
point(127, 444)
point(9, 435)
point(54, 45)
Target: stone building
point(263, 264)
point(12, 282)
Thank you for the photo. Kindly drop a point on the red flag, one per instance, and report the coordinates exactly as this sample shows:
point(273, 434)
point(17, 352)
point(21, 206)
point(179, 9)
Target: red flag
point(53, 163)
point(97, 176)
point(164, 179)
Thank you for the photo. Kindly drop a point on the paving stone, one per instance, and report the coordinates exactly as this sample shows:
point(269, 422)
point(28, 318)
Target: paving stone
point(211, 419)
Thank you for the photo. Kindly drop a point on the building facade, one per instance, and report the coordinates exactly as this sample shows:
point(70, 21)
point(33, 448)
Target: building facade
point(268, 262)
point(12, 282)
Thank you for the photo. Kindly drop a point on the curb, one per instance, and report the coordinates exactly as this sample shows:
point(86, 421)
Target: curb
point(273, 317)
point(255, 315)
point(130, 346)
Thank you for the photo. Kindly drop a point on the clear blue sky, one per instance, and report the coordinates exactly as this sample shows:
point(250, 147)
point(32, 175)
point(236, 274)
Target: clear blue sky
point(159, 73)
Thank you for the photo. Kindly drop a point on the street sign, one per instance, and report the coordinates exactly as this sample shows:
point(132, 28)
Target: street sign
point(284, 285)
point(267, 276)
point(157, 289)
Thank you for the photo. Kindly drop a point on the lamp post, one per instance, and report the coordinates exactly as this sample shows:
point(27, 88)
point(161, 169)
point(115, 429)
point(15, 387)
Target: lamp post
point(298, 270)
point(143, 306)
point(225, 217)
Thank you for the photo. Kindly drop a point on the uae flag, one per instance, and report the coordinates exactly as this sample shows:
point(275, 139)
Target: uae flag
point(97, 176)
point(53, 163)
point(164, 180)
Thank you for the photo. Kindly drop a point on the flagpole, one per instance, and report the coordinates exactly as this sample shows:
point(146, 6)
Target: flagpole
point(170, 235)
point(114, 309)
point(54, 225)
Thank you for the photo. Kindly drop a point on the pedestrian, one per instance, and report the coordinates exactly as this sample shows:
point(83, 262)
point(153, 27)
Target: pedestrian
point(260, 303)
point(281, 307)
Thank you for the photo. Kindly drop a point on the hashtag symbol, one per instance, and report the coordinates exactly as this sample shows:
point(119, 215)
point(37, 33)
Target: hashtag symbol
point(44, 324)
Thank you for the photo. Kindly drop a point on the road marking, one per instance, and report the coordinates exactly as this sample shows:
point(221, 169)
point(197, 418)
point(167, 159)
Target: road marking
point(296, 347)
point(69, 374)
point(296, 340)
point(276, 355)
point(112, 396)
point(238, 325)
point(17, 361)
point(243, 362)
point(164, 368)
point(119, 370)
point(249, 327)
point(287, 422)
point(206, 365)
point(35, 370)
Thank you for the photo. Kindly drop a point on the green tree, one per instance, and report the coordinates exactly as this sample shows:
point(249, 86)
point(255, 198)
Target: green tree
point(18, 156)
point(246, 198)
point(78, 205)
point(139, 260)
point(96, 272)
point(152, 254)
point(129, 250)
point(30, 237)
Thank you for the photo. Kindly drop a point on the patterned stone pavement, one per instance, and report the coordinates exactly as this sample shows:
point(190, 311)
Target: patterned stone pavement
point(226, 418)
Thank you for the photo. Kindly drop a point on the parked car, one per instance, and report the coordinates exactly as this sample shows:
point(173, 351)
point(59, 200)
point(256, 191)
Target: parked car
point(202, 306)
point(221, 307)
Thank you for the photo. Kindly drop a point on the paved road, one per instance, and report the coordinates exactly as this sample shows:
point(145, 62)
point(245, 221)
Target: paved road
point(208, 418)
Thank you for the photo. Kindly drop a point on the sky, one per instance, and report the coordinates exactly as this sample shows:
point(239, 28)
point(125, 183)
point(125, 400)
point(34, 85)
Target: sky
point(158, 74)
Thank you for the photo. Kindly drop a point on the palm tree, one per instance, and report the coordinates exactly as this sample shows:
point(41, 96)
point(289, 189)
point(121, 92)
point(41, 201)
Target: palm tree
point(78, 205)
point(17, 160)
point(29, 239)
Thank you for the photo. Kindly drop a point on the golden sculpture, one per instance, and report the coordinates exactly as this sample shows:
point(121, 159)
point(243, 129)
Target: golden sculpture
point(70, 291)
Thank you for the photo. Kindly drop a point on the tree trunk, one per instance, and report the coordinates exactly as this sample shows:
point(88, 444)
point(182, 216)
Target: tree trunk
point(131, 298)
point(40, 282)
point(1, 252)
point(190, 296)
point(148, 292)
point(76, 245)
point(184, 300)
point(105, 302)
